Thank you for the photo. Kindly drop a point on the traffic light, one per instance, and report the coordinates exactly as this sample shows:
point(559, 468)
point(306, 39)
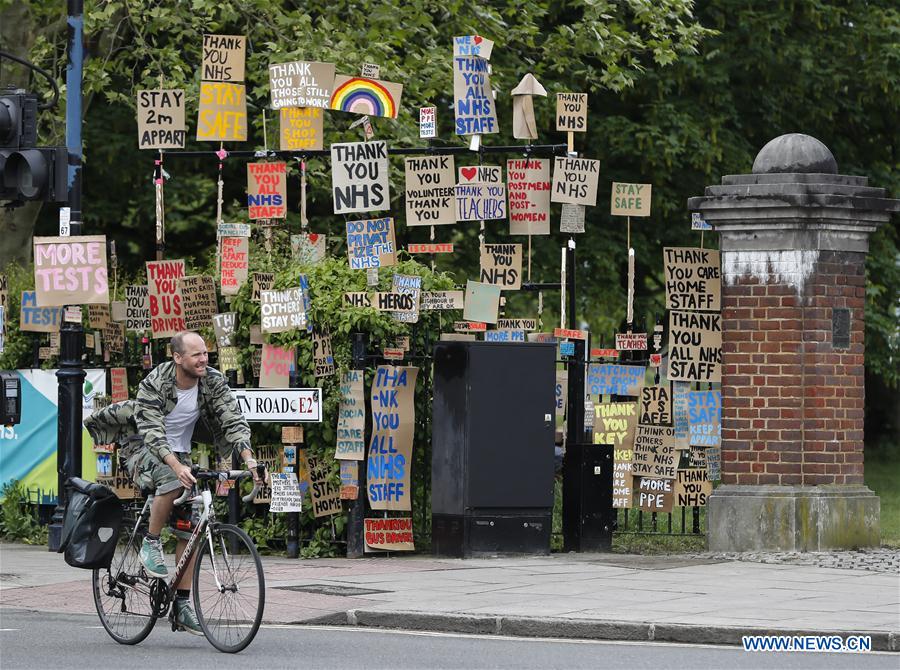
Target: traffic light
point(28, 172)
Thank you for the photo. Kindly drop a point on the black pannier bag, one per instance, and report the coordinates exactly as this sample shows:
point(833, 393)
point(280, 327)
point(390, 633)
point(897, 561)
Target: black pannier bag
point(91, 524)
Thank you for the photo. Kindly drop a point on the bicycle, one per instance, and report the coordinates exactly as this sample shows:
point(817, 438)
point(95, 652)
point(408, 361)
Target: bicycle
point(228, 585)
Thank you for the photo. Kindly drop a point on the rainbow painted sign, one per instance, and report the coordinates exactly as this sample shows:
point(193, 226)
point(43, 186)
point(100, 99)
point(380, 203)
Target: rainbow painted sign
point(360, 95)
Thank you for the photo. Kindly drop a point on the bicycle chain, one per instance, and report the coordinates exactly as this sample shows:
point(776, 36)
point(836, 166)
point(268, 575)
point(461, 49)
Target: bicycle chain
point(160, 597)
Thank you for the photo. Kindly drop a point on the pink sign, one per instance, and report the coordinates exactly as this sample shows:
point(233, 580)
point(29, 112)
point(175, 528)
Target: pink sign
point(166, 314)
point(70, 271)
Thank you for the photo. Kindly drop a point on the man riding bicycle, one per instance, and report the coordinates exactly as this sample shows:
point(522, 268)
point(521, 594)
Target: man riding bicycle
point(155, 433)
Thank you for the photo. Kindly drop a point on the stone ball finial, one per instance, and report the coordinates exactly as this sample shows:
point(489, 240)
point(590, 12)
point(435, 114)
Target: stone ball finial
point(795, 152)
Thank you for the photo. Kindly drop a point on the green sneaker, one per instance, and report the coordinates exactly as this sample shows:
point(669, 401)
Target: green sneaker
point(152, 558)
point(186, 618)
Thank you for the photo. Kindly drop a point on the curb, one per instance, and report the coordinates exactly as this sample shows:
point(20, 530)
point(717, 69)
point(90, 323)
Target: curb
point(582, 629)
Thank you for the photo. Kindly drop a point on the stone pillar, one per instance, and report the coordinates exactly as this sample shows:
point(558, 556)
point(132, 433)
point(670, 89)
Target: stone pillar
point(793, 238)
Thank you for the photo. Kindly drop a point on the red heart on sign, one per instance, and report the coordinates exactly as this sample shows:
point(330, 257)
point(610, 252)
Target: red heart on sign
point(478, 39)
point(313, 237)
point(468, 173)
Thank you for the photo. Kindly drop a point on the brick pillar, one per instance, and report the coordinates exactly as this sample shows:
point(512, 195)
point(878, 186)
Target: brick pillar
point(794, 237)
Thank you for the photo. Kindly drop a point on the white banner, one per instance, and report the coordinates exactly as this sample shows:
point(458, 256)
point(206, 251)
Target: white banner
point(287, 405)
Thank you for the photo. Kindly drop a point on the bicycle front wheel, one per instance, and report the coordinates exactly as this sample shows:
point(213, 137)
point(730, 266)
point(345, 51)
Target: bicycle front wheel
point(122, 595)
point(229, 589)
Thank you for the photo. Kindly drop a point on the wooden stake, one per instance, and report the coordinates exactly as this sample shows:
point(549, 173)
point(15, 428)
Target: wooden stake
point(570, 141)
point(304, 221)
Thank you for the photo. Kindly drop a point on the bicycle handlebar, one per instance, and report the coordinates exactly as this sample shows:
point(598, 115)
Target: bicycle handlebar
point(201, 474)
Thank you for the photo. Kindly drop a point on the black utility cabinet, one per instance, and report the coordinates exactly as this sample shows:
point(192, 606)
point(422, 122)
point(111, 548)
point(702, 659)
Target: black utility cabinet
point(492, 448)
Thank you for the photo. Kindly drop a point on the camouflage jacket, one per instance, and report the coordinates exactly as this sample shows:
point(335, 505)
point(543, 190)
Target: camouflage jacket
point(156, 398)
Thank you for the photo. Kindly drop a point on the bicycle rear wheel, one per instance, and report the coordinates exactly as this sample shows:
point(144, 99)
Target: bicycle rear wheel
point(122, 595)
point(229, 589)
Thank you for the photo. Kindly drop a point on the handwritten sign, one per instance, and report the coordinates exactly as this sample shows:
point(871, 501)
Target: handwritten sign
point(615, 423)
point(570, 333)
point(233, 230)
point(528, 182)
point(137, 308)
point(692, 487)
point(470, 326)
point(623, 481)
point(323, 358)
point(571, 219)
point(282, 310)
point(389, 462)
point(705, 417)
point(693, 279)
point(98, 316)
point(222, 114)
point(410, 287)
point(359, 177)
point(70, 270)
point(118, 378)
point(504, 335)
point(571, 112)
point(427, 122)
point(430, 190)
point(166, 315)
point(441, 300)
point(223, 57)
point(266, 190)
point(473, 45)
point(437, 248)
point(198, 301)
point(604, 378)
point(351, 425)
point(160, 119)
point(698, 222)
point(480, 202)
point(473, 99)
point(228, 360)
point(262, 281)
point(501, 265)
point(575, 181)
point(517, 324)
point(324, 494)
point(362, 95)
point(301, 84)
point(301, 129)
point(276, 366)
point(655, 495)
point(714, 463)
point(308, 248)
point(680, 419)
point(235, 264)
point(114, 337)
point(695, 346)
point(631, 341)
point(630, 199)
point(286, 494)
point(370, 243)
point(655, 442)
point(394, 534)
point(357, 299)
point(349, 480)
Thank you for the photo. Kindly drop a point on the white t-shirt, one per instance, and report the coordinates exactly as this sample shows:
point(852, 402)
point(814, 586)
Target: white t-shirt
point(180, 423)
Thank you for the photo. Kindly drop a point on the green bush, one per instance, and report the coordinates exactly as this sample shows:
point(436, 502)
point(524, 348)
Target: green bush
point(18, 523)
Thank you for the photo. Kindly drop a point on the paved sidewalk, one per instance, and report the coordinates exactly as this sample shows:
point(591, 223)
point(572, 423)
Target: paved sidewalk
point(594, 596)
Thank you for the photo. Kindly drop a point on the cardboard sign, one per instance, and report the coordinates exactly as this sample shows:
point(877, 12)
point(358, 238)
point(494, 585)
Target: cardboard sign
point(501, 265)
point(623, 481)
point(655, 442)
point(575, 181)
point(357, 299)
point(615, 423)
point(351, 425)
point(655, 495)
point(680, 421)
point(517, 324)
point(655, 405)
point(266, 190)
point(118, 384)
point(224, 326)
point(228, 360)
point(262, 281)
point(370, 243)
point(166, 315)
point(427, 122)
point(698, 222)
point(389, 463)
point(114, 337)
point(569, 333)
point(561, 393)
point(438, 248)
point(198, 301)
point(359, 177)
point(301, 129)
point(360, 95)
point(504, 336)
point(276, 367)
point(604, 353)
point(325, 496)
point(705, 417)
point(480, 202)
point(394, 534)
point(473, 98)
point(233, 230)
point(282, 311)
point(122, 485)
point(631, 341)
point(98, 316)
point(323, 358)
point(693, 279)
point(291, 435)
point(222, 115)
point(160, 119)
point(571, 112)
point(265, 454)
point(70, 270)
point(482, 302)
point(571, 219)
point(695, 347)
point(430, 190)
point(441, 300)
point(308, 248)
point(528, 182)
point(714, 463)
point(279, 404)
point(470, 326)
point(630, 199)
point(480, 174)
point(611, 378)
point(472, 45)
point(409, 286)
point(286, 494)
point(349, 480)
point(692, 487)
point(301, 84)
point(223, 57)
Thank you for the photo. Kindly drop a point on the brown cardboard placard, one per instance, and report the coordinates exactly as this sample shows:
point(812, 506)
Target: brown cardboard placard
point(655, 452)
point(615, 423)
point(224, 326)
point(198, 301)
point(160, 119)
point(137, 308)
point(360, 95)
point(655, 405)
point(323, 358)
point(223, 58)
point(571, 218)
point(630, 199)
point(276, 366)
point(393, 534)
point(528, 184)
point(371, 243)
point(623, 481)
point(269, 455)
point(654, 495)
point(501, 265)
point(292, 434)
point(98, 316)
point(351, 425)
point(282, 311)
point(301, 129)
point(301, 84)
point(122, 486)
point(324, 495)
point(166, 316)
point(222, 115)
point(693, 279)
point(228, 360)
point(393, 425)
point(575, 181)
point(692, 487)
point(357, 299)
point(441, 300)
point(262, 281)
point(695, 346)
point(266, 190)
point(114, 337)
point(473, 98)
point(524, 125)
point(430, 193)
point(70, 270)
point(571, 112)
point(308, 248)
point(359, 177)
